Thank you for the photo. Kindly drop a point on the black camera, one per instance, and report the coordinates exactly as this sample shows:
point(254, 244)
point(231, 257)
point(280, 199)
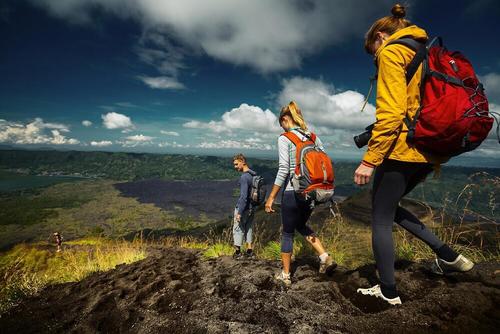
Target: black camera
point(363, 138)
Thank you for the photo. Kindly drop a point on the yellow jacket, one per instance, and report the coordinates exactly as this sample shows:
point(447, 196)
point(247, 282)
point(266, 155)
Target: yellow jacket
point(396, 99)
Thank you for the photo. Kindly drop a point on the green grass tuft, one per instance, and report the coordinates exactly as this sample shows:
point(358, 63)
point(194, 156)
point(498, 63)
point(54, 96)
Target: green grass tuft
point(218, 249)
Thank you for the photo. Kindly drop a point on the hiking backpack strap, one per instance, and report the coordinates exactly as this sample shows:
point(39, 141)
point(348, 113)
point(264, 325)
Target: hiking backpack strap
point(421, 50)
point(311, 136)
point(420, 55)
point(293, 137)
point(296, 140)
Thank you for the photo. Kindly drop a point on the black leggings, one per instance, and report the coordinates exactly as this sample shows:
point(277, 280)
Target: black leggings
point(394, 179)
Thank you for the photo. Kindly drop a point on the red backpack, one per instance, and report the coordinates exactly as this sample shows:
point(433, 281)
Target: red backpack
point(313, 176)
point(453, 117)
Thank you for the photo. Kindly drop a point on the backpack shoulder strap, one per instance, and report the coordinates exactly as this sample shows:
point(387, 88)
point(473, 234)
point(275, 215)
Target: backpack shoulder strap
point(420, 55)
point(293, 137)
point(311, 136)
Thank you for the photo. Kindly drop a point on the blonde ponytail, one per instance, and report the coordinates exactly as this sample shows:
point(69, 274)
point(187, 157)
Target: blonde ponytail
point(293, 110)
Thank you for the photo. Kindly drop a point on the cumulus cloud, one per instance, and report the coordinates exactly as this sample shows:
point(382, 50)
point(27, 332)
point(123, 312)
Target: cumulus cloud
point(86, 123)
point(102, 143)
point(162, 82)
point(170, 133)
point(324, 107)
point(113, 120)
point(35, 132)
point(328, 112)
point(245, 118)
point(265, 35)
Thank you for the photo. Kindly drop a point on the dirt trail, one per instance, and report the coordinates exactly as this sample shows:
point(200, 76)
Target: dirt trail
point(178, 291)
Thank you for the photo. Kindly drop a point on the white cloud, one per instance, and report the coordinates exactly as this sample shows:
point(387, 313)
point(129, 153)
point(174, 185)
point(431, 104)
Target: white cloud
point(265, 35)
point(86, 123)
point(243, 118)
point(236, 144)
point(157, 50)
point(136, 140)
point(324, 108)
point(101, 143)
point(59, 139)
point(212, 125)
point(161, 82)
point(140, 138)
point(495, 109)
point(328, 112)
point(173, 144)
point(113, 120)
point(491, 82)
point(36, 132)
point(170, 133)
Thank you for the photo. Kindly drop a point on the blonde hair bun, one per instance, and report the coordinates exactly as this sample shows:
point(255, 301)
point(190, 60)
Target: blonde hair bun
point(398, 11)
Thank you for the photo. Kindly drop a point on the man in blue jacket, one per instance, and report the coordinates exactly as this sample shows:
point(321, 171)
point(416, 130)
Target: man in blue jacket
point(243, 213)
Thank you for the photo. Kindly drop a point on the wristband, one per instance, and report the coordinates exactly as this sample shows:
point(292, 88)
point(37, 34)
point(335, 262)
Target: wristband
point(367, 164)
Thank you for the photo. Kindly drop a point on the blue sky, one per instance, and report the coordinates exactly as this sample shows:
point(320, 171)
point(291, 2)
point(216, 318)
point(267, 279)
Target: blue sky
point(207, 76)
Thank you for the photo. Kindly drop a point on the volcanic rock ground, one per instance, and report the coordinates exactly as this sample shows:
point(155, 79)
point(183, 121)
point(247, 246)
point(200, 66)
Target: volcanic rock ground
point(179, 291)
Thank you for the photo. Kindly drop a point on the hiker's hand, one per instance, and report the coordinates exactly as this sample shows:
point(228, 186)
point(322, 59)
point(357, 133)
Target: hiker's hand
point(237, 217)
point(269, 205)
point(362, 174)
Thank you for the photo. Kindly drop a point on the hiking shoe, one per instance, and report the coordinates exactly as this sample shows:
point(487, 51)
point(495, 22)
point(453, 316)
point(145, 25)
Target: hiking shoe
point(237, 255)
point(375, 291)
point(461, 264)
point(249, 255)
point(327, 266)
point(285, 279)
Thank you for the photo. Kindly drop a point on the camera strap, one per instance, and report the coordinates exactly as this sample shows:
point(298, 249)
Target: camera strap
point(372, 80)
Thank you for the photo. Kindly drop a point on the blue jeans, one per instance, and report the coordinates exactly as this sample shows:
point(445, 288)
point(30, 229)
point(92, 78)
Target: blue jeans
point(242, 230)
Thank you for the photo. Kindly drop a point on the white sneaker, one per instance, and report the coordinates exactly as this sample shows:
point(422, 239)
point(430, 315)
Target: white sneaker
point(328, 266)
point(375, 291)
point(461, 264)
point(282, 277)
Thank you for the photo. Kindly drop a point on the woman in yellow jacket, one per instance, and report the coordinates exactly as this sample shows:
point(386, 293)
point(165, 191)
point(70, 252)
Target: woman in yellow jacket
point(398, 166)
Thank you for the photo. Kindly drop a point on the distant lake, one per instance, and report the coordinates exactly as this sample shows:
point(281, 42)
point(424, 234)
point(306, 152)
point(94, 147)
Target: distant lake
point(10, 181)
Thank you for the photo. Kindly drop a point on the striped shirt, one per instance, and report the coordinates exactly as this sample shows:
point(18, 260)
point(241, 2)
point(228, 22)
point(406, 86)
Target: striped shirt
point(287, 163)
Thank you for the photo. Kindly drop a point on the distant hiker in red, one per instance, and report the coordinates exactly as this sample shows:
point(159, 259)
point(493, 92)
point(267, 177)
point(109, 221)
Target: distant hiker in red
point(296, 209)
point(243, 213)
point(398, 166)
point(58, 240)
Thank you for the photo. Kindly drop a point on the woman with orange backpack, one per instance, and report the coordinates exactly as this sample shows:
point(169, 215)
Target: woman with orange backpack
point(398, 166)
point(299, 192)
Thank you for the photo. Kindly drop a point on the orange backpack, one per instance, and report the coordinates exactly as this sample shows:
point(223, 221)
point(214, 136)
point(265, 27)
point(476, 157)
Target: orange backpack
point(313, 176)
